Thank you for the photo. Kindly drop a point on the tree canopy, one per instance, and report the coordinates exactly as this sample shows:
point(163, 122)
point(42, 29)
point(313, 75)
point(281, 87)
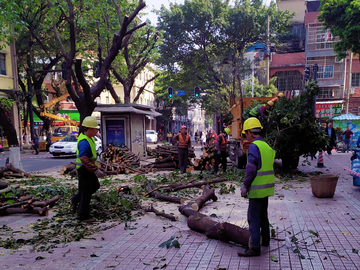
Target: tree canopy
point(204, 41)
point(342, 17)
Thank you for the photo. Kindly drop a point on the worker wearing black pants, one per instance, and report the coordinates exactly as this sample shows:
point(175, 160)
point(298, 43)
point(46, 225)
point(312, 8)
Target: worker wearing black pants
point(88, 185)
point(220, 157)
point(183, 144)
point(183, 159)
point(220, 152)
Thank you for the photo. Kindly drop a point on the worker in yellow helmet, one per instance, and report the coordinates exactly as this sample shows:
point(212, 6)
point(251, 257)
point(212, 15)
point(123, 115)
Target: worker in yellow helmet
point(261, 110)
point(259, 183)
point(278, 96)
point(87, 169)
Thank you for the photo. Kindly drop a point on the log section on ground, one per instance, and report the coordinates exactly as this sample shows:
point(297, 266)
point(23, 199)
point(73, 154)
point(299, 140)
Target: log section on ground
point(222, 231)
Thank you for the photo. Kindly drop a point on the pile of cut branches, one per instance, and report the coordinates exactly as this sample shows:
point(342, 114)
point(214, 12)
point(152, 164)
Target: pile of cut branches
point(16, 200)
point(10, 172)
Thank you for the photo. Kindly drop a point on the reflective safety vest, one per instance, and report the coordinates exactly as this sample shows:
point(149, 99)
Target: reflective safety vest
point(93, 150)
point(223, 143)
point(182, 143)
point(264, 182)
point(256, 111)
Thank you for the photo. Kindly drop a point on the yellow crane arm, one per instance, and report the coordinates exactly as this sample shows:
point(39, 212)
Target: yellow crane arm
point(52, 116)
point(53, 101)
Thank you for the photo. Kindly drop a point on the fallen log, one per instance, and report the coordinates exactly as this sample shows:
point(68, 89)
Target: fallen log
point(11, 167)
point(13, 175)
point(3, 185)
point(50, 202)
point(208, 194)
point(17, 210)
point(222, 231)
point(163, 197)
point(8, 189)
point(158, 213)
point(197, 184)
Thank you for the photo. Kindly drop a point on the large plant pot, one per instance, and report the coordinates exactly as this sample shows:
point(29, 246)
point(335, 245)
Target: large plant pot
point(323, 186)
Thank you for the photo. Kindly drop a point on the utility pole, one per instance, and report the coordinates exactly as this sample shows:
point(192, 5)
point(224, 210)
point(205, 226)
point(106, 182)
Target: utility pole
point(348, 85)
point(29, 97)
point(268, 50)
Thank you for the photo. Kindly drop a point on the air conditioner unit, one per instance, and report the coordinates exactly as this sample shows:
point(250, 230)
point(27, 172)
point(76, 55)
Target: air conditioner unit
point(296, 93)
point(352, 91)
point(339, 61)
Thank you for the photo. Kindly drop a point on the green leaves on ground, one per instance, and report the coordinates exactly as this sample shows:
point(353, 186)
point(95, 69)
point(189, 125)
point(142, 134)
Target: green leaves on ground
point(273, 259)
point(170, 242)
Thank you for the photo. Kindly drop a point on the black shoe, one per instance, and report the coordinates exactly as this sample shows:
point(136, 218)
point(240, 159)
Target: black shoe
point(265, 244)
point(74, 204)
point(249, 253)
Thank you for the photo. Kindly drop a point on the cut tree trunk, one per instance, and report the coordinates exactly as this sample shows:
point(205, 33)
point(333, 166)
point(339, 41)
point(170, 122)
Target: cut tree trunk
point(208, 194)
point(222, 231)
point(17, 210)
point(3, 184)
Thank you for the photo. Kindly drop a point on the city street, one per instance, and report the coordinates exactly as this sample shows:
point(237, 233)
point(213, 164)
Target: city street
point(39, 163)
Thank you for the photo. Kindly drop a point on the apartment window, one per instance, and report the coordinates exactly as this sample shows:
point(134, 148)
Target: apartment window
point(288, 80)
point(2, 64)
point(329, 93)
point(355, 79)
point(325, 72)
point(324, 39)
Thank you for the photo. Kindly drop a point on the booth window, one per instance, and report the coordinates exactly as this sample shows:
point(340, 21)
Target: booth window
point(2, 64)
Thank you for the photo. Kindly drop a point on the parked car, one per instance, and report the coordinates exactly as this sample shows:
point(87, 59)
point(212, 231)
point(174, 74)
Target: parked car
point(67, 146)
point(151, 136)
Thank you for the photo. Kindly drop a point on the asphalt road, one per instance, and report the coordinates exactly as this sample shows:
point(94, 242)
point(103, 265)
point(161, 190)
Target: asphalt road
point(39, 163)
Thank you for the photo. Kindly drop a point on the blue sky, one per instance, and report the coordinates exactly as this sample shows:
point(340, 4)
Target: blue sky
point(156, 4)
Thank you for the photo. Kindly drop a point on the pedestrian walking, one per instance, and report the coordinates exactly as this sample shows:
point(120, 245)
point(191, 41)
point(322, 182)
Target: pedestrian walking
point(88, 172)
point(259, 183)
point(220, 150)
point(48, 141)
point(348, 136)
point(330, 132)
point(36, 144)
point(203, 139)
point(183, 144)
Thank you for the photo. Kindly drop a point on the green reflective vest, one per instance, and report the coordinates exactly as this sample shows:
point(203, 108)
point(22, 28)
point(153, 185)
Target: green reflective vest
point(93, 150)
point(256, 111)
point(264, 182)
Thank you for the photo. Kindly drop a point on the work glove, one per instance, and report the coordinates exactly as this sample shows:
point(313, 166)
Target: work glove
point(100, 174)
point(218, 152)
point(244, 191)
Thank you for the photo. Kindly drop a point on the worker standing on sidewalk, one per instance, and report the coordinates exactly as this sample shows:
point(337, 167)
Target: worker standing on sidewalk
point(258, 185)
point(220, 151)
point(183, 144)
point(88, 172)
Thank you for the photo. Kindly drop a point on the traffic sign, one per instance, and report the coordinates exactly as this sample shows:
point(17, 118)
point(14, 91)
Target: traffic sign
point(179, 92)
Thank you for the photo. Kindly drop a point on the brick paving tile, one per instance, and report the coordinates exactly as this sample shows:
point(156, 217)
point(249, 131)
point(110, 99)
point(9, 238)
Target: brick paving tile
point(293, 211)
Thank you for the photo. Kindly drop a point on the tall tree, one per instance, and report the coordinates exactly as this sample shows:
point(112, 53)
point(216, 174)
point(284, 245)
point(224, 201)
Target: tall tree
point(342, 17)
point(207, 39)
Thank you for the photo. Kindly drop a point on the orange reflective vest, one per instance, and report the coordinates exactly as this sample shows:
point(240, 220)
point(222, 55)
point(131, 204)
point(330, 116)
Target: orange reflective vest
point(223, 143)
point(182, 143)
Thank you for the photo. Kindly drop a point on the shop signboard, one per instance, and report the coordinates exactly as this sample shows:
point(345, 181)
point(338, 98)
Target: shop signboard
point(328, 110)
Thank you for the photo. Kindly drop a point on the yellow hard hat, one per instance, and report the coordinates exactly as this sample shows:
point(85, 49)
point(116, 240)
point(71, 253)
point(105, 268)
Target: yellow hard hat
point(270, 103)
point(280, 95)
point(90, 122)
point(252, 124)
point(227, 130)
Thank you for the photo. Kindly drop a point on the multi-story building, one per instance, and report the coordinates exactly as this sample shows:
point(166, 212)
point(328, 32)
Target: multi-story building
point(331, 71)
point(9, 83)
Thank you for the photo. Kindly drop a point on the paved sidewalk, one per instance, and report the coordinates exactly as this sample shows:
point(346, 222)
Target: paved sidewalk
point(293, 211)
